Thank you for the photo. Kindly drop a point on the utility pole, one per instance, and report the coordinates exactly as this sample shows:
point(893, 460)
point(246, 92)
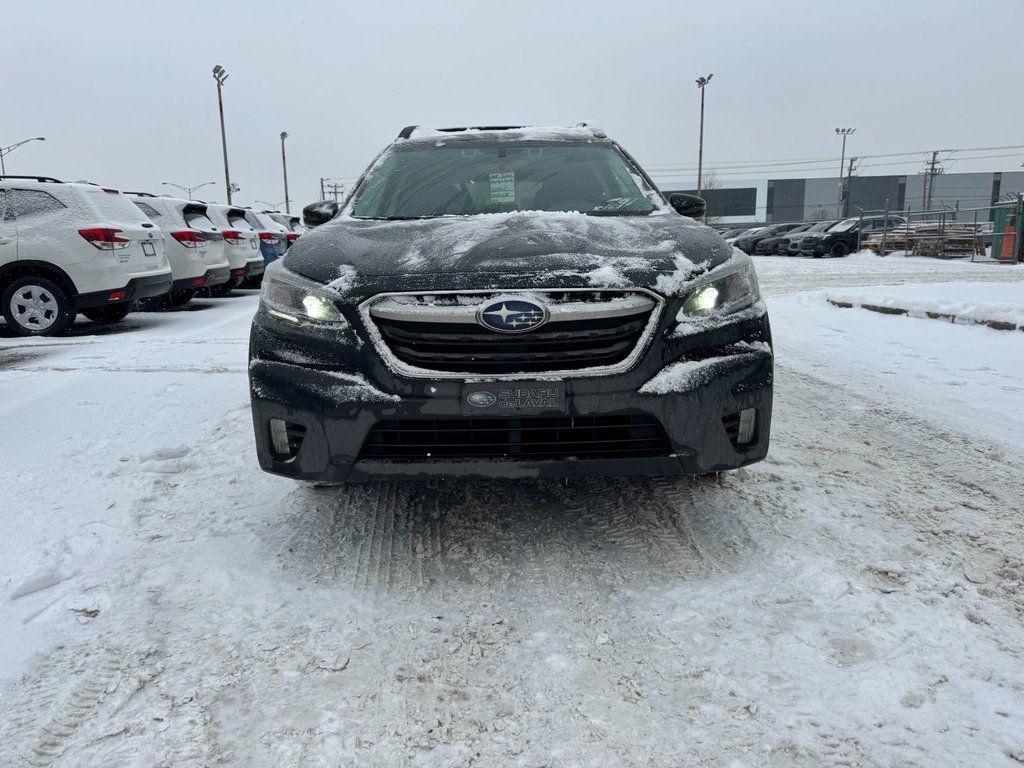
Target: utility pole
point(930, 173)
point(284, 169)
point(220, 75)
point(322, 195)
point(335, 189)
point(701, 83)
point(844, 132)
point(847, 189)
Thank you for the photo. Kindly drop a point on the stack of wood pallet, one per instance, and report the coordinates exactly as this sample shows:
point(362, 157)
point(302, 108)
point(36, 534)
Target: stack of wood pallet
point(929, 238)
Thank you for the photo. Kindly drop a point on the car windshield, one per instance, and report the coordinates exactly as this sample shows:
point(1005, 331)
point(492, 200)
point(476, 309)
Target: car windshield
point(460, 179)
point(843, 226)
point(821, 226)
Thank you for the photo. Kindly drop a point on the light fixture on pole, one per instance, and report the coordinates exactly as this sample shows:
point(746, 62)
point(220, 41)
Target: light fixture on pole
point(188, 190)
point(701, 83)
point(284, 168)
point(272, 206)
point(844, 132)
point(4, 151)
point(220, 75)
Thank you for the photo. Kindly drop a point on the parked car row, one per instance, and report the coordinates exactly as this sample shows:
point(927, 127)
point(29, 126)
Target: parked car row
point(822, 238)
point(69, 248)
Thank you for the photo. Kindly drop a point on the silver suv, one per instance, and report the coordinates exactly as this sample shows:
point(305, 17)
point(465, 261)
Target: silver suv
point(69, 248)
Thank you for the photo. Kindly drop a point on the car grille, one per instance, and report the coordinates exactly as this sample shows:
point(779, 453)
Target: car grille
point(540, 437)
point(586, 330)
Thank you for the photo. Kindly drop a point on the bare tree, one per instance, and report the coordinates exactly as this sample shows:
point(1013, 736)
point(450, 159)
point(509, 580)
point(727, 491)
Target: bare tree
point(711, 182)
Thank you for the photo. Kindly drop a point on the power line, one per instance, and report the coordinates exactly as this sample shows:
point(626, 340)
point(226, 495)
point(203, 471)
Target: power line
point(741, 164)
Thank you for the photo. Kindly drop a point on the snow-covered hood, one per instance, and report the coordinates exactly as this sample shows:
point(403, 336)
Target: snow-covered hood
point(566, 248)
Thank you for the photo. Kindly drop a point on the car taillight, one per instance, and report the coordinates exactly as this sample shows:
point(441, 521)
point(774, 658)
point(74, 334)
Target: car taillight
point(268, 237)
point(233, 236)
point(293, 236)
point(188, 238)
point(105, 239)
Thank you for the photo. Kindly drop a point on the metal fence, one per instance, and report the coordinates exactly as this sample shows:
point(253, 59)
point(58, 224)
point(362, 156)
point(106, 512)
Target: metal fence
point(989, 233)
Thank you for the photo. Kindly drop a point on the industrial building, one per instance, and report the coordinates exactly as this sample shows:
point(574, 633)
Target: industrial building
point(768, 201)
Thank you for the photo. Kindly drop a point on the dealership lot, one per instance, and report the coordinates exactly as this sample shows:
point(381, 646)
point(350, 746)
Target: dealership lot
point(854, 599)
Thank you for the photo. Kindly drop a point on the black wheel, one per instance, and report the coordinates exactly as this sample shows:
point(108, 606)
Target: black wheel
point(111, 313)
point(35, 306)
point(180, 298)
point(837, 250)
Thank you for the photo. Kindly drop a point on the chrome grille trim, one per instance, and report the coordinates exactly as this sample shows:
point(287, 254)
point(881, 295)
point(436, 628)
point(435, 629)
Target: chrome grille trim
point(618, 303)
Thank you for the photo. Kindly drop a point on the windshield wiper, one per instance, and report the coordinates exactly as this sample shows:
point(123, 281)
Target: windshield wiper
point(598, 212)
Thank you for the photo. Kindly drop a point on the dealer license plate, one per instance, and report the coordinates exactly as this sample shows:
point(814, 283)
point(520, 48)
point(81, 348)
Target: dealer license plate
point(513, 398)
point(149, 249)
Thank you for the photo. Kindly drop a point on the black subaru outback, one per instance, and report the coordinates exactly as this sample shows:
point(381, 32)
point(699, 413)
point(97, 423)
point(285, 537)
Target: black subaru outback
point(509, 302)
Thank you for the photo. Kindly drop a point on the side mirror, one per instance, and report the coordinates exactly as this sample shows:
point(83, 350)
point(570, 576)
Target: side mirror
point(315, 214)
point(688, 205)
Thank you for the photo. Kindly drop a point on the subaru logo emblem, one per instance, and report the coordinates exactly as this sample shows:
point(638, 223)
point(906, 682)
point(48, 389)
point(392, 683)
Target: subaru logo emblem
point(512, 314)
point(482, 399)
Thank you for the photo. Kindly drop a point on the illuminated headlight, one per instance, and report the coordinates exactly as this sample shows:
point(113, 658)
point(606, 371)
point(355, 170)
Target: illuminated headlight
point(292, 297)
point(723, 291)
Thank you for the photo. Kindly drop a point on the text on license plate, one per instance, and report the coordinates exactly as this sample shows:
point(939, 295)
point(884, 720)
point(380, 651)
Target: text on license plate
point(513, 398)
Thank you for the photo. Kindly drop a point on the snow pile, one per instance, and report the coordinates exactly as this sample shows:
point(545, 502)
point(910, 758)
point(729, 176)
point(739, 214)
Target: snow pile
point(964, 303)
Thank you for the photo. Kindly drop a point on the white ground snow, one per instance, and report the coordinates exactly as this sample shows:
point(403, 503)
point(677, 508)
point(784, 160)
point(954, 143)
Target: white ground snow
point(856, 599)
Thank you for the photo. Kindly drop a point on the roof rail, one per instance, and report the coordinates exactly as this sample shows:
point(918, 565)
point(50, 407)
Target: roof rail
point(34, 178)
point(138, 194)
point(409, 130)
point(482, 128)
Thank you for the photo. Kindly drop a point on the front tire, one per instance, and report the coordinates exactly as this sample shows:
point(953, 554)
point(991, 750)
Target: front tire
point(35, 306)
point(111, 313)
point(837, 250)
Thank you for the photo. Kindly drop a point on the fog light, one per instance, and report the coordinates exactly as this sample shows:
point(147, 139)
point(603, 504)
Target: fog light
point(748, 420)
point(279, 437)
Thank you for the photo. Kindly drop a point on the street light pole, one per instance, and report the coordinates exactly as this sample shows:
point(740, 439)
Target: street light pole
point(7, 150)
point(271, 206)
point(188, 190)
point(844, 132)
point(220, 75)
point(284, 168)
point(701, 82)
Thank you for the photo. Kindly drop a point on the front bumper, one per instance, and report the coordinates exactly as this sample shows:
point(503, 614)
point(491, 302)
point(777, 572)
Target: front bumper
point(334, 409)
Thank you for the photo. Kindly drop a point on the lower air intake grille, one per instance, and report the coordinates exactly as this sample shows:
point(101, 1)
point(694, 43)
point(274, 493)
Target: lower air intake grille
point(583, 437)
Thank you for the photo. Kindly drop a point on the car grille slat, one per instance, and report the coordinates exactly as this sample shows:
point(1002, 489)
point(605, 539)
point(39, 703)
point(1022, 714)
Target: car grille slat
point(615, 436)
point(412, 332)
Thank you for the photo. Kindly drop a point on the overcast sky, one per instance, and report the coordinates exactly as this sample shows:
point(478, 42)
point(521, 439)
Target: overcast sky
point(123, 91)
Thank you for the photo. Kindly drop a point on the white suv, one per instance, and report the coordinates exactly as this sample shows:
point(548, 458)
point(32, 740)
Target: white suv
point(241, 242)
point(195, 247)
point(67, 248)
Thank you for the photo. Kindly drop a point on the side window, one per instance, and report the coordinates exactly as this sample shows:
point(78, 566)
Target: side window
point(32, 202)
point(3, 206)
point(149, 210)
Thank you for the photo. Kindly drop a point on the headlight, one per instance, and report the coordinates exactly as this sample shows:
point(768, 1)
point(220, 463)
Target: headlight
point(291, 297)
point(722, 292)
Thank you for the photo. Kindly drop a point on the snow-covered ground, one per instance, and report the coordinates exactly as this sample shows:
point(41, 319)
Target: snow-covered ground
point(856, 599)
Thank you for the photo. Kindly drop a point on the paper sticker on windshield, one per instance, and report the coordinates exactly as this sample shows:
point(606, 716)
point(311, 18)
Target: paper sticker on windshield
point(503, 187)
